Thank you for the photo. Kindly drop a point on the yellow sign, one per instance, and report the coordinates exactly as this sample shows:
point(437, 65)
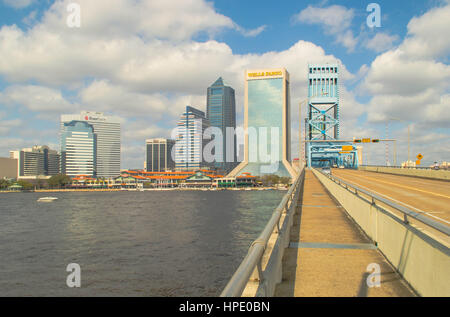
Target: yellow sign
point(347, 147)
point(419, 157)
point(344, 152)
point(263, 74)
point(418, 162)
point(366, 140)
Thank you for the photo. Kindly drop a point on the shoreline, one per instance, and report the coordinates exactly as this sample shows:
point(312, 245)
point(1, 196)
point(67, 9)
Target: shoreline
point(139, 190)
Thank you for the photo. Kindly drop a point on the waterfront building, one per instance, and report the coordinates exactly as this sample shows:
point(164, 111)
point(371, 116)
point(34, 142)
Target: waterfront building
point(8, 167)
point(36, 161)
point(267, 142)
point(190, 141)
point(158, 155)
point(107, 130)
point(78, 146)
point(221, 113)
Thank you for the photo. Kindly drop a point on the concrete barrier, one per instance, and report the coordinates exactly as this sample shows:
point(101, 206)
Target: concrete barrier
point(422, 261)
point(415, 172)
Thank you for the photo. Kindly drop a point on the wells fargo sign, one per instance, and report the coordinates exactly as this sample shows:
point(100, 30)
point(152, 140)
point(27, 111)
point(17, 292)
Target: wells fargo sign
point(264, 74)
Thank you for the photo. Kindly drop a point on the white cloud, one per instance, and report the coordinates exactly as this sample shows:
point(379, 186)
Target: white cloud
point(395, 73)
point(115, 63)
point(428, 34)
point(7, 125)
point(35, 98)
point(335, 20)
point(175, 20)
point(381, 42)
point(410, 82)
point(18, 4)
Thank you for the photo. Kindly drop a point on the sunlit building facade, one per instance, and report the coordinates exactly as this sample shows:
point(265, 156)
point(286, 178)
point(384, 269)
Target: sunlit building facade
point(36, 161)
point(267, 141)
point(78, 146)
point(108, 133)
point(190, 141)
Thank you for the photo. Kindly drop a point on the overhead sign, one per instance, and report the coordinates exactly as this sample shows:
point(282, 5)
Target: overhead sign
point(347, 148)
point(366, 140)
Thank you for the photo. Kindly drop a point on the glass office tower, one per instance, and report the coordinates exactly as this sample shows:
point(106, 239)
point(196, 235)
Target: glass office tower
point(78, 144)
point(221, 113)
point(267, 142)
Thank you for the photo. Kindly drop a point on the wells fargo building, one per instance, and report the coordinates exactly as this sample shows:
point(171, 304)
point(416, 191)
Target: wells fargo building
point(267, 107)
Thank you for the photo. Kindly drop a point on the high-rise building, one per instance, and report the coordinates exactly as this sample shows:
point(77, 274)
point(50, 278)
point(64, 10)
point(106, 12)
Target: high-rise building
point(107, 131)
point(36, 161)
point(158, 155)
point(221, 113)
point(267, 141)
point(78, 144)
point(190, 141)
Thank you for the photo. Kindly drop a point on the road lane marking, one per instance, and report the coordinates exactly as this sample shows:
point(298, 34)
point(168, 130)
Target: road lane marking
point(408, 187)
point(400, 202)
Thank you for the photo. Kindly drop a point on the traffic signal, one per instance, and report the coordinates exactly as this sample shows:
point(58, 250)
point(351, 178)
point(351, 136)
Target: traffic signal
point(375, 140)
point(357, 141)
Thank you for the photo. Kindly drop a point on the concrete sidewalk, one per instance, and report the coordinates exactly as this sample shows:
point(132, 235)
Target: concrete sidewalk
point(329, 255)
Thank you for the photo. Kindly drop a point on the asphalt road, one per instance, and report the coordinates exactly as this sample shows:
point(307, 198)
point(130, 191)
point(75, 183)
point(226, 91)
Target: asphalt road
point(427, 196)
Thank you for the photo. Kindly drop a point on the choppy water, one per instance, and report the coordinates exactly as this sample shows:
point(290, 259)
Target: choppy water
point(169, 243)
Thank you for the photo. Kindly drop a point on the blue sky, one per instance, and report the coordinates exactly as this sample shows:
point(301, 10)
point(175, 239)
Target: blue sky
point(145, 60)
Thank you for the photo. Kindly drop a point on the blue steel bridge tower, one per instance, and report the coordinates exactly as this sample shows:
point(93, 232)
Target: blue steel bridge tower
point(323, 145)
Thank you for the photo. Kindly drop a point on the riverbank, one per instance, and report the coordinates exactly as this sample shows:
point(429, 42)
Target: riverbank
point(134, 189)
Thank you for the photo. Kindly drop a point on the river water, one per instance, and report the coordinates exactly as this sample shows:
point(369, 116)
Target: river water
point(152, 243)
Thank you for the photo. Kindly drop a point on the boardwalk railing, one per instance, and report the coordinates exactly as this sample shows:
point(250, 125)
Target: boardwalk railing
point(260, 271)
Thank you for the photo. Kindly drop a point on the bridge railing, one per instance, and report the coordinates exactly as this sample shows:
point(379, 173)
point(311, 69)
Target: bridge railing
point(406, 212)
point(409, 167)
point(260, 271)
point(416, 245)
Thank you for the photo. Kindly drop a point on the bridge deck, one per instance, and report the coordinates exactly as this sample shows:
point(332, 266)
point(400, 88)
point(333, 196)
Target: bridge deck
point(328, 254)
point(427, 196)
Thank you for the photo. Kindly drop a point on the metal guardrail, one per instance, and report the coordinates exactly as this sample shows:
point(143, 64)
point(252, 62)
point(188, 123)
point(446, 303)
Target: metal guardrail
point(252, 267)
point(410, 167)
point(405, 211)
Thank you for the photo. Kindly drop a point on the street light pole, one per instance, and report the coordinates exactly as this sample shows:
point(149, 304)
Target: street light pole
point(300, 152)
point(409, 139)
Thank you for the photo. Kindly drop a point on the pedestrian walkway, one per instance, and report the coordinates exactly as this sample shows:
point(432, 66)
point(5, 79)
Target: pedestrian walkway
point(329, 255)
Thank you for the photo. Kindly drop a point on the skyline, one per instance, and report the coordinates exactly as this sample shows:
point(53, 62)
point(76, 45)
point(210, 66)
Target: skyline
point(147, 74)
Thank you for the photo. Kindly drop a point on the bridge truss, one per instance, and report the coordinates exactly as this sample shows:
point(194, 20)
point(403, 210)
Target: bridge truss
point(322, 124)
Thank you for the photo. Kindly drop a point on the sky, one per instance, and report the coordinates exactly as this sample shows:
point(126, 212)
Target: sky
point(144, 61)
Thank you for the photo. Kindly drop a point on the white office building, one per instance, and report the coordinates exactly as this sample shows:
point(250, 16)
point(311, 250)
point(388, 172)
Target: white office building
point(77, 149)
point(190, 141)
point(107, 133)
